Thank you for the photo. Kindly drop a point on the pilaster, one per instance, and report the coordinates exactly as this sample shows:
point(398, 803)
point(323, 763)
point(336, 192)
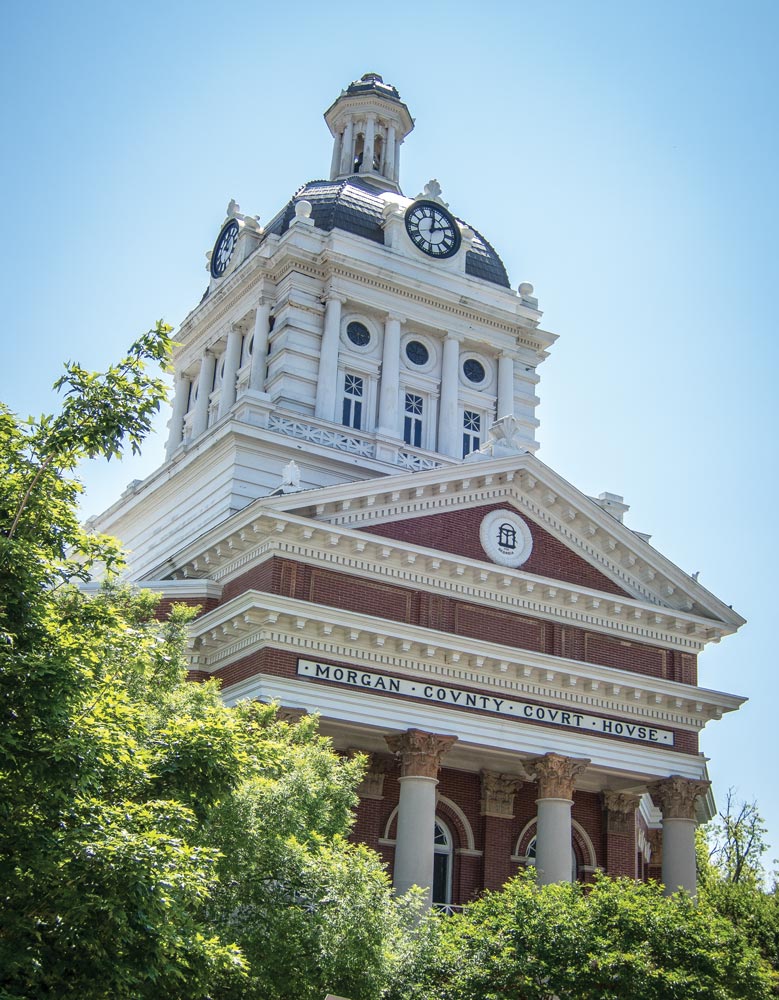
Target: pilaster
point(326, 386)
point(620, 812)
point(232, 362)
point(449, 429)
point(505, 385)
point(497, 808)
point(205, 384)
point(260, 345)
point(176, 430)
point(389, 418)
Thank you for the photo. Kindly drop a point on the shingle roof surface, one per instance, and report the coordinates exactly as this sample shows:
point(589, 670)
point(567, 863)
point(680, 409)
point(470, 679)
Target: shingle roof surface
point(354, 205)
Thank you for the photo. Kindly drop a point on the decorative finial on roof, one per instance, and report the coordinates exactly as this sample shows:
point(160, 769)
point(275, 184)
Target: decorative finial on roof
point(505, 438)
point(290, 482)
point(432, 192)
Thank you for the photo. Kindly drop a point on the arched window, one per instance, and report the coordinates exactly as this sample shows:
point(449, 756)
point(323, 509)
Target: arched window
point(442, 865)
point(358, 153)
point(530, 854)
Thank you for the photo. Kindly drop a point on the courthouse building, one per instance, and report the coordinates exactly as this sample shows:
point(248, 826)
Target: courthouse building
point(351, 494)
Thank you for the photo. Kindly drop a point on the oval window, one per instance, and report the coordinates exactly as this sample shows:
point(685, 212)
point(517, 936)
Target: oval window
point(474, 370)
point(417, 353)
point(359, 334)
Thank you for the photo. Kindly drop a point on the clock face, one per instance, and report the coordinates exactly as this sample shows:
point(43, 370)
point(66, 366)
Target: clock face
point(223, 249)
point(432, 229)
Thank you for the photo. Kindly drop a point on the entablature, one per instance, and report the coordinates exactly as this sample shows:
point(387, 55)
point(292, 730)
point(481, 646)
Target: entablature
point(256, 618)
point(375, 558)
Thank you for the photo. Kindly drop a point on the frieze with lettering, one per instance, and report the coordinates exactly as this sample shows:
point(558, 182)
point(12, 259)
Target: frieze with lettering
point(366, 680)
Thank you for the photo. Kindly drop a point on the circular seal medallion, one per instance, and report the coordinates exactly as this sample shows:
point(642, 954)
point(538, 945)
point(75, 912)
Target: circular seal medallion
point(506, 538)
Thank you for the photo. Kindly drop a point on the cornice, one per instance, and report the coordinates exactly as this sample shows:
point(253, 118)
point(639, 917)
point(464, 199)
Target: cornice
point(287, 258)
point(226, 549)
point(375, 558)
point(256, 619)
point(567, 513)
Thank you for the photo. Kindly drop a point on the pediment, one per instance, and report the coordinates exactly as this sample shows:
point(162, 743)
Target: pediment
point(575, 541)
point(457, 531)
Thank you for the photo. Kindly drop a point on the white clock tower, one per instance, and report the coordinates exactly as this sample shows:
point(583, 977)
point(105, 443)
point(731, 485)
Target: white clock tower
point(352, 498)
point(359, 333)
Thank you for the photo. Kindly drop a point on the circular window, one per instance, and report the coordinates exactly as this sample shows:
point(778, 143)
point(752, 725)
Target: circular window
point(359, 334)
point(474, 371)
point(417, 353)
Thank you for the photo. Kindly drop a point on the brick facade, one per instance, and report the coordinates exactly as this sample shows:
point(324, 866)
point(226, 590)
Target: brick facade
point(460, 617)
point(457, 531)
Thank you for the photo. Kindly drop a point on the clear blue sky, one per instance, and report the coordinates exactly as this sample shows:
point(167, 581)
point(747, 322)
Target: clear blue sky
point(621, 156)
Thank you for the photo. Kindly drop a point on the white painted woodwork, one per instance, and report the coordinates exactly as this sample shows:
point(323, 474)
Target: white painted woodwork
point(553, 841)
point(414, 845)
point(679, 868)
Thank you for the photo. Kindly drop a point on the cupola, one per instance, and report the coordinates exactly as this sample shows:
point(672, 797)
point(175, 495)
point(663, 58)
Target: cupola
point(368, 123)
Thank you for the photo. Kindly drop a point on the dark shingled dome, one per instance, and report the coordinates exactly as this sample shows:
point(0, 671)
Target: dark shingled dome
point(354, 205)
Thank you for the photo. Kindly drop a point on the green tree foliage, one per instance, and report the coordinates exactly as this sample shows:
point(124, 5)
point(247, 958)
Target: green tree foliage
point(732, 877)
point(615, 940)
point(101, 879)
point(736, 841)
point(313, 913)
point(153, 842)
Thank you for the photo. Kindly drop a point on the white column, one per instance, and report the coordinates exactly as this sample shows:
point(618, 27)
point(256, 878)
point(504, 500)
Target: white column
point(389, 418)
point(260, 345)
point(679, 867)
point(180, 401)
point(383, 161)
point(367, 149)
point(505, 386)
point(555, 775)
point(205, 383)
point(676, 798)
point(396, 166)
point(232, 364)
point(347, 149)
point(389, 155)
point(414, 847)
point(553, 840)
point(449, 426)
point(336, 160)
point(328, 360)
point(420, 757)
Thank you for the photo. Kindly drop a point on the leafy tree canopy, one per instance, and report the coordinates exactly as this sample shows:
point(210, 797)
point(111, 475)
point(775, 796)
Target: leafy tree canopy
point(153, 842)
point(614, 940)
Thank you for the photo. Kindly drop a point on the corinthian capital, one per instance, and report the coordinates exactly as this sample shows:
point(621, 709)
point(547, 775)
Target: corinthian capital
point(620, 811)
point(420, 753)
point(497, 793)
point(556, 774)
point(372, 784)
point(675, 796)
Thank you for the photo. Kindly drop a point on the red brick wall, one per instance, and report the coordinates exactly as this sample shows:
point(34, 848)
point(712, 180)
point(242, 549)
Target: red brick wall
point(262, 576)
point(457, 531)
point(496, 837)
point(396, 603)
point(204, 603)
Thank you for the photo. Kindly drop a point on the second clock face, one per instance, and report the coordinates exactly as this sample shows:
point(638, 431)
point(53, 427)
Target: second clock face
point(223, 249)
point(432, 229)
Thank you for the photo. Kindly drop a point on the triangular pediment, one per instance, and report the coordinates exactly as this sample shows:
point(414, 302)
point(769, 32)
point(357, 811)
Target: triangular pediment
point(578, 541)
point(458, 531)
